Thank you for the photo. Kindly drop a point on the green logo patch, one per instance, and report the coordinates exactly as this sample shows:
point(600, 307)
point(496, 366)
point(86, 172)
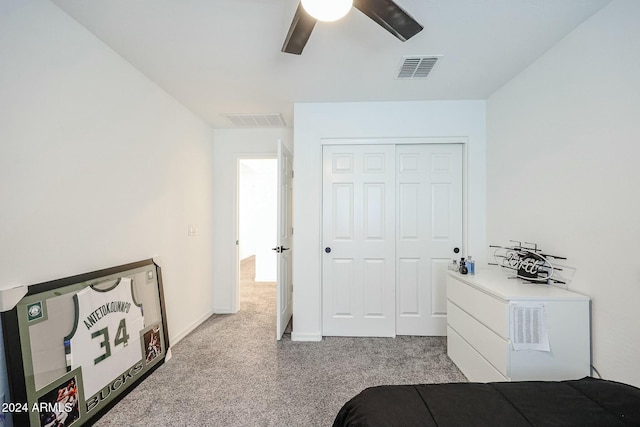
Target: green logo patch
point(34, 311)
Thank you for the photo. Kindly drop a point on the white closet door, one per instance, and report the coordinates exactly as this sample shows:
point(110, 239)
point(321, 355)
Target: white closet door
point(428, 228)
point(358, 273)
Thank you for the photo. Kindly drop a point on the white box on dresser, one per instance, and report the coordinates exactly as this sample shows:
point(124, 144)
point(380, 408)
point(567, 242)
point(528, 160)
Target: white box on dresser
point(478, 329)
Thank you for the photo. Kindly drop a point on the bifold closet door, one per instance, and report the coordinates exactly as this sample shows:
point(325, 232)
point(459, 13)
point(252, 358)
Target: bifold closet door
point(428, 228)
point(358, 268)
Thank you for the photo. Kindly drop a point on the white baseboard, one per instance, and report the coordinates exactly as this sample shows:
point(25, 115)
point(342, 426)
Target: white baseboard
point(176, 339)
point(306, 336)
point(224, 310)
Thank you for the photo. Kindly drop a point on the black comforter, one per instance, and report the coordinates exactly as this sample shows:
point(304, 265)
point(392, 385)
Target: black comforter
point(585, 402)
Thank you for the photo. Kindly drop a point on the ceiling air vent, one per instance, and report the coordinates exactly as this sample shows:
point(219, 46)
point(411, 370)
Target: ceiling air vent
point(416, 67)
point(256, 120)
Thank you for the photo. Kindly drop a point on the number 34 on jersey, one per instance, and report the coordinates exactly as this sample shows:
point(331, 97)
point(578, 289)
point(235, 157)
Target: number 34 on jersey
point(105, 340)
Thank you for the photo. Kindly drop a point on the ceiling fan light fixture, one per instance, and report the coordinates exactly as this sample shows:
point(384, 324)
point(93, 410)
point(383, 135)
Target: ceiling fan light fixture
point(327, 10)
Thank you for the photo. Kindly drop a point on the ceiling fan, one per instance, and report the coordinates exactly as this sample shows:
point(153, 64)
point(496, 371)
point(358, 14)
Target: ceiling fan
point(385, 13)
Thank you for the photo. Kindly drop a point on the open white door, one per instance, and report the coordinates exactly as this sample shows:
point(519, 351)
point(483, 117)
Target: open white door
point(284, 284)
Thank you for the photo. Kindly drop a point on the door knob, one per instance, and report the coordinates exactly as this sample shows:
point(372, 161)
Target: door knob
point(327, 249)
point(282, 248)
point(456, 250)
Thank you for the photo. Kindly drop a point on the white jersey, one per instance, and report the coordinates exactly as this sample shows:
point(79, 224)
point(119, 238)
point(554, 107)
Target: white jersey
point(105, 340)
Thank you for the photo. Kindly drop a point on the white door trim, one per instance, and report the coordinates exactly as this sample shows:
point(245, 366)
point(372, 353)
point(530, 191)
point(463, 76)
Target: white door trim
point(396, 141)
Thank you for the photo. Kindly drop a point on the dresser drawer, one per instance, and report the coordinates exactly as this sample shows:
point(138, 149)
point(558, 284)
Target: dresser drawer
point(492, 347)
point(490, 311)
point(471, 363)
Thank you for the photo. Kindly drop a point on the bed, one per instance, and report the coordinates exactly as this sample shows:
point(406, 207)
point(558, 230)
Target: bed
point(584, 402)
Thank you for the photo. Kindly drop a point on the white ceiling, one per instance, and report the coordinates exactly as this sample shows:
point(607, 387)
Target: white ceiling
point(223, 56)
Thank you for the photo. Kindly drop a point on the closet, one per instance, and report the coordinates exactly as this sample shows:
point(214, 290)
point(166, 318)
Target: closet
point(392, 222)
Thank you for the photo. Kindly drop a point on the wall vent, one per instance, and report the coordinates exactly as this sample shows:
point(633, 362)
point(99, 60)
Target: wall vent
point(416, 67)
point(256, 120)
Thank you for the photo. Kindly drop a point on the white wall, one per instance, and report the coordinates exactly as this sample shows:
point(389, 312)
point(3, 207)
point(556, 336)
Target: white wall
point(98, 166)
point(314, 122)
point(229, 146)
point(563, 152)
point(245, 233)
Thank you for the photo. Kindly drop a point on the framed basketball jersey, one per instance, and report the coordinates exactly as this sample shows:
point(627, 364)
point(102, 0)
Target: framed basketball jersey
point(75, 346)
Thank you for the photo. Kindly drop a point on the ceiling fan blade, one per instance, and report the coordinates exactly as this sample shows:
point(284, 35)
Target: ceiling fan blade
point(299, 32)
point(390, 16)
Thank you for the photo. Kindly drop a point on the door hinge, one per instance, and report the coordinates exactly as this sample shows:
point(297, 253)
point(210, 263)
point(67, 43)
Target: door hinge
point(292, 173)
point(237, 242)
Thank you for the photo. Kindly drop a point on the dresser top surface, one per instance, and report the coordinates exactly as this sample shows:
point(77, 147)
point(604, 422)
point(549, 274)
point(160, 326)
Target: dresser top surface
point(496, 282)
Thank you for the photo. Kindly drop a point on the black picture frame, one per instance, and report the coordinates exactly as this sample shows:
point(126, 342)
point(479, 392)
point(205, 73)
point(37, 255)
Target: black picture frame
point(26, 397)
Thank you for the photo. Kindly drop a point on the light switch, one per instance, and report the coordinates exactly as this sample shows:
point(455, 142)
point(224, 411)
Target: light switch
point(193, 230)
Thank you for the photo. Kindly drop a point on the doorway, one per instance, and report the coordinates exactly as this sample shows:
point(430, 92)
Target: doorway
point(257, 218)
point(264, 218)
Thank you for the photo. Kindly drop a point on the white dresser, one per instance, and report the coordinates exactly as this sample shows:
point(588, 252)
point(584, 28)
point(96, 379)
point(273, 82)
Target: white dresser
point(484, 311)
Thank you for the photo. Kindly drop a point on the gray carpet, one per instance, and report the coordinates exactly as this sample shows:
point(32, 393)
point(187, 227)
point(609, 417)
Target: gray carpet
point(231, 371)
